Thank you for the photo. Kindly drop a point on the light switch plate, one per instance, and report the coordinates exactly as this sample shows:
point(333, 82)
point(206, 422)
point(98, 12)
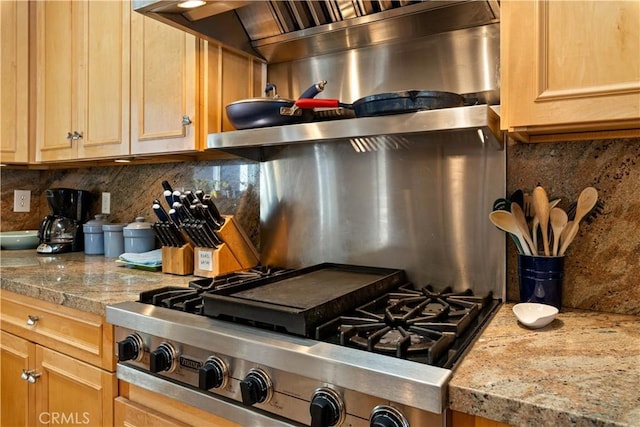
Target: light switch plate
point(21, 200)
point(106, 203)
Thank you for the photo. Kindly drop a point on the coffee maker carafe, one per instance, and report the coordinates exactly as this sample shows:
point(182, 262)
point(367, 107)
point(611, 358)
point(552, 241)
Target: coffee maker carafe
point(62, 230)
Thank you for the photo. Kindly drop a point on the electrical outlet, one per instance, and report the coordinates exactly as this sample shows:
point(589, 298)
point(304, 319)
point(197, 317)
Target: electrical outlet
point(106, 203)
point(21, 200)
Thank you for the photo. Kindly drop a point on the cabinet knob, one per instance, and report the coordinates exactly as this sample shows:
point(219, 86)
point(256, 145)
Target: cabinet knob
point(69, 136)
point(30, 376)
point(31, 320)
point(25, 374)
point(186, 121)
point(76, 135)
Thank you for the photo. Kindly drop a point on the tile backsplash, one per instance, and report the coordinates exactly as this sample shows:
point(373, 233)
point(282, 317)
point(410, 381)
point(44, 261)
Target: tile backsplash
point(602, 266)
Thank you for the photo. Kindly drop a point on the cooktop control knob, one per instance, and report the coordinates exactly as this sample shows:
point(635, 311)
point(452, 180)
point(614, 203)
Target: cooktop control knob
point(164, 358)
point(213, 374)
point(327, 408)
point(387, 416)
point(256, 387)
point(131, 348)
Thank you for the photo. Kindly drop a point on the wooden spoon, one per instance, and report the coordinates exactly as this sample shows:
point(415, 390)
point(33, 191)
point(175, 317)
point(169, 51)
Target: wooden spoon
point(536, 222)
point(586, 201)
point(541, 206)
point(505, 221)
point(518, 213)
point(559, 219)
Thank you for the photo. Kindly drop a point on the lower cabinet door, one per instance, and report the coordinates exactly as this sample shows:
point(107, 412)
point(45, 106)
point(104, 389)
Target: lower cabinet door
point(72, 392)
point(17, 356)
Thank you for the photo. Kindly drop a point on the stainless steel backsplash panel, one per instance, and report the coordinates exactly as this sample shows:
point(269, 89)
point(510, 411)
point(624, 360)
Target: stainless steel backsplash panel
point(463, 61)
point(421, 206)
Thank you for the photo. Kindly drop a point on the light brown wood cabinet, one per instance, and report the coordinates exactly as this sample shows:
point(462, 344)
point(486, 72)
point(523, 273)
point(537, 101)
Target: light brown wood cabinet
point(112, 83)
point(570, 69)
point(14, 81)
point(460, 419)
point(82, 79)
point(137, 407)
point(163, 88)
point(56, 364)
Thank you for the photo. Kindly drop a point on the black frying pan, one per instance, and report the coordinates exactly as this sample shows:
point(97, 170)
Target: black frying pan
point(271, 111)
point(408, 101)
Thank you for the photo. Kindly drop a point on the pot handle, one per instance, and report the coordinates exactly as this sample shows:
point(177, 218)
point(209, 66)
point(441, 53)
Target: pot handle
point(271, 87)
point(321, 103)
point(313, 90)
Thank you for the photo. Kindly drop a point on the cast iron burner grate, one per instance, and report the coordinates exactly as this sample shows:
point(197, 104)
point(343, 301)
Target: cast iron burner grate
point(190, 299)
point(412, 324)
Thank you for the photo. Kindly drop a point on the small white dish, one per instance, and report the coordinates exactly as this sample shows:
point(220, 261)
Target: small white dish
point(534, 315)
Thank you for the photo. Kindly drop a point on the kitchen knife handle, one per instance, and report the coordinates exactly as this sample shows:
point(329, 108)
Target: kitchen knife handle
point(213, 210)
point(168, 196)
point(159, 211)
point(167, 186)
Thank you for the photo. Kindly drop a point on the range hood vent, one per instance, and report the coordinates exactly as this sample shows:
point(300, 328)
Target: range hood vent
point(280, 31)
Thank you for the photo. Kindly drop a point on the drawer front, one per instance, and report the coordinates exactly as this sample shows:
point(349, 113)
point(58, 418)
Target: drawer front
point(82, 335)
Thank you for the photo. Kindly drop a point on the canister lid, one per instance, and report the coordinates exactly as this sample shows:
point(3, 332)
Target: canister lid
point(95, 225)
point(138, 224)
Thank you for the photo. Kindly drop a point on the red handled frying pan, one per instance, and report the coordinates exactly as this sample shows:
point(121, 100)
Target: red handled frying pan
point(392, 103)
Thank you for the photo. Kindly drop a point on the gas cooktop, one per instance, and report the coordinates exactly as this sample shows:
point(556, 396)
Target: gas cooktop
point(342, 338)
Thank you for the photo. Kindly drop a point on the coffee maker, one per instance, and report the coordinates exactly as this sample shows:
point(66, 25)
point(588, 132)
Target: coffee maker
point(62, 230)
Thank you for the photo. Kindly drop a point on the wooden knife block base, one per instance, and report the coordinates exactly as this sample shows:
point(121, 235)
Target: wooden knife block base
point(177, 260)
point(236, 253)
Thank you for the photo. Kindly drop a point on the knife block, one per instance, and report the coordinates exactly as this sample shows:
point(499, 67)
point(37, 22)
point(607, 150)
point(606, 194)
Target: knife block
point(236, 253)
point(177, 260)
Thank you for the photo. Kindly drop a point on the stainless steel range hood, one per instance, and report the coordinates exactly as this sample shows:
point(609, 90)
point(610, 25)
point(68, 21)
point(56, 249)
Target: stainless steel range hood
point(280, 31)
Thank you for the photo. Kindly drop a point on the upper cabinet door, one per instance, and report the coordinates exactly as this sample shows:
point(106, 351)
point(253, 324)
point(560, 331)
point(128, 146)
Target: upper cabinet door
point(103, 84)
point(570, 67)
point(82, 83)
point(14, 84)
point(163, 88)
point(57, 28)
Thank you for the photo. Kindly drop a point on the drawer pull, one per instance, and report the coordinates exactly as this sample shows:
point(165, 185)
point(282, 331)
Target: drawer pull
point(31, 320)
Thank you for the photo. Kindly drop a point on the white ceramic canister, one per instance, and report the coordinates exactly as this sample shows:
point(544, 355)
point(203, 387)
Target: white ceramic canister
point(94, 235)
point(113, 240)
point(139, 237)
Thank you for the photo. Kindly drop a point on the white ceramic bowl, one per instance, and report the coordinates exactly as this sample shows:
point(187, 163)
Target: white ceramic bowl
point(25, 239)
point(534, 315)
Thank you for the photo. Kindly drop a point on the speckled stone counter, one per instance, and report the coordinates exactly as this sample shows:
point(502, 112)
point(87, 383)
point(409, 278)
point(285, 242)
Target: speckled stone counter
point(583, 369)
point(76, 280)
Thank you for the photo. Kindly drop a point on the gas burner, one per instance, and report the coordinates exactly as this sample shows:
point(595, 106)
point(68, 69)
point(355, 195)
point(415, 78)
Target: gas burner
point(408, 323)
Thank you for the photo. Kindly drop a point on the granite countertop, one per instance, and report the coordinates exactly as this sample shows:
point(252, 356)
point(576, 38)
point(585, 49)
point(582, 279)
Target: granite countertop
point(583, 369)
point(85, 282)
